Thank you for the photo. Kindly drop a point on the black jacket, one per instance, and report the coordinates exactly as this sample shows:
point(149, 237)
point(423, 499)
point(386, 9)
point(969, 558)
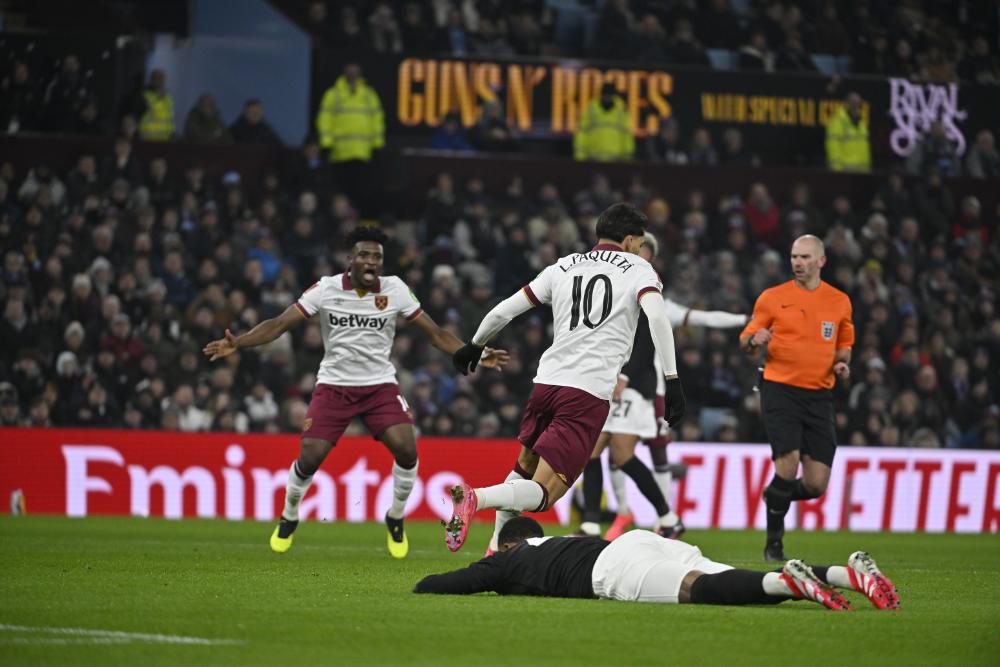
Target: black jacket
point(549, 566)
point(639, 368)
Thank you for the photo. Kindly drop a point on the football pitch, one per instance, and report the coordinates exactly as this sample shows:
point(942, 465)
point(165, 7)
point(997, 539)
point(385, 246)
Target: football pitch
point(122, 591)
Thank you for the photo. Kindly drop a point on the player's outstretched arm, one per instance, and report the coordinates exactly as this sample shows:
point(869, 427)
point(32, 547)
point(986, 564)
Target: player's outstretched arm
point(483, 575)
point(467, 356)
point(265, 332)
point(680, 315)
point(448, 343)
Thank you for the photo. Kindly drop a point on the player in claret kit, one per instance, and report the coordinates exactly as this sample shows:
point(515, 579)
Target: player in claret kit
point(639, 413)
point(357, 311)
point(596, 299)
point(642, 566)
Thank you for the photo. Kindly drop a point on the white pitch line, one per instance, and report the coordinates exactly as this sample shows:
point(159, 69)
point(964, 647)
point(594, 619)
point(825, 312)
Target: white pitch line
point(118, 635)
point(61, 641)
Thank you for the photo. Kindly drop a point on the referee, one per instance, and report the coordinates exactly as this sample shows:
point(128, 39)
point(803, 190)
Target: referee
point(806, 325)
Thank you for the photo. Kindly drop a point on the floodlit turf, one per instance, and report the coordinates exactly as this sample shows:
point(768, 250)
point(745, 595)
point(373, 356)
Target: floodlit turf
point(337, 598)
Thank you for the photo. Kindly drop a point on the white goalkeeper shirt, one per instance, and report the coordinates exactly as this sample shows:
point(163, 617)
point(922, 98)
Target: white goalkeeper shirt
point(358, 327)
point(595, 309)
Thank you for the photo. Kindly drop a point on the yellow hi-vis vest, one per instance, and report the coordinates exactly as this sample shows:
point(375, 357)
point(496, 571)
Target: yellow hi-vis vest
point(847, 146)
point(602, 135)
point(350, 123)
point(157, 123)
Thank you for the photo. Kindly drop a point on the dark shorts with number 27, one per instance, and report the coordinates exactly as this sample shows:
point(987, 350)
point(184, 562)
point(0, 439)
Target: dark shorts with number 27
point(799, 419)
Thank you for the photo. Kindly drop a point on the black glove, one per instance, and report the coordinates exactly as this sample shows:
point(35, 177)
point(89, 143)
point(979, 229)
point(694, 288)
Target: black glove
point(467, 358)
point(674, 397)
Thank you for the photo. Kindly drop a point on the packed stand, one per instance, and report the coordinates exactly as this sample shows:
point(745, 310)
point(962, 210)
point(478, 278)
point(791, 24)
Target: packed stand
point(927, 41)
point(67, 102)
point(116, 273)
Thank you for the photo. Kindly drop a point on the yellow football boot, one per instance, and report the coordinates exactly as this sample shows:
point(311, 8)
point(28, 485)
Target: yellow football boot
point(281, 538)
point(396, 540)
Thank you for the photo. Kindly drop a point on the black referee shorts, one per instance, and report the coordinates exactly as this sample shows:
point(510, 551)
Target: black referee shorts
point(799, 419)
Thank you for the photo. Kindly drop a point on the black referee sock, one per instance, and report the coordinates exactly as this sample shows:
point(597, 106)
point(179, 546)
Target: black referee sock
point(800, 492)
point(646, 483)
point(777, 498)
point(593, 484)
point(732, 587)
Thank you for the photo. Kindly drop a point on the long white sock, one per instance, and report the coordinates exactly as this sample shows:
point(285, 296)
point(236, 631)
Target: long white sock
point(517, 495)
point(618, 486)
point(663, 479)
point(295, 489)
point(503, 516)
point(773, 585)
point(402, 484)
point(837, 575)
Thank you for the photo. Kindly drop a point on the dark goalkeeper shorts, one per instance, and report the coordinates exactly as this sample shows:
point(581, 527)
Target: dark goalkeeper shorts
point(799, 419)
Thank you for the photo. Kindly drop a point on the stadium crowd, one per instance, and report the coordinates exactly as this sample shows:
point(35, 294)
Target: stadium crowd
point(918, 40)
point(116, 273)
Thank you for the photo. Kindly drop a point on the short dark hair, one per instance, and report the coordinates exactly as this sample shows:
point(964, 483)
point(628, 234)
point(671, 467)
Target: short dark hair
point(360, 234)
point(621, 220)
point(519, 529)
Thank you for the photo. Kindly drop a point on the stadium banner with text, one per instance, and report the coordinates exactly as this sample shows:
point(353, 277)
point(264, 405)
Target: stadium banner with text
point(242, 476)
point(777, 112)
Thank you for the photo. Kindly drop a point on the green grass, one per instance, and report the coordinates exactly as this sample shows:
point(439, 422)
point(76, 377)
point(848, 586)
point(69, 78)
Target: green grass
point(338, 599)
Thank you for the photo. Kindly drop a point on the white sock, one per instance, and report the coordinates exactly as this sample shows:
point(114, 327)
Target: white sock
point(618, 486)
point(663, 479)
point(503, 516)
point(773, 585)
point(667, 520)
point(837, 575)
point(295, 489)
point(402, 484)
point(590, 528)
point(517, 495)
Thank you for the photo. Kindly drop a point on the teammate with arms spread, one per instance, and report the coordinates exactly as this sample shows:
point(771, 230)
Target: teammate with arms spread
point(358, 311)
point(596, 298)
point(644, 567)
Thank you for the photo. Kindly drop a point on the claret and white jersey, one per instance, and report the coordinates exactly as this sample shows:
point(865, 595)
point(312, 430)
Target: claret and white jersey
point(358, 329)
point(595, 308)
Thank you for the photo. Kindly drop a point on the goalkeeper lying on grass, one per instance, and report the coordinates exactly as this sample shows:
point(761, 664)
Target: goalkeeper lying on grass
point(641, 566)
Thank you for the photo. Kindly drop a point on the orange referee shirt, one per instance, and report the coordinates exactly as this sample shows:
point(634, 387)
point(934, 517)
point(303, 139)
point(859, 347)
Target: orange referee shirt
point(807, 328)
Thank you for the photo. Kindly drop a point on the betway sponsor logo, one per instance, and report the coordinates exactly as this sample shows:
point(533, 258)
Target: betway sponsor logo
point(245, 493)
point(357, 321)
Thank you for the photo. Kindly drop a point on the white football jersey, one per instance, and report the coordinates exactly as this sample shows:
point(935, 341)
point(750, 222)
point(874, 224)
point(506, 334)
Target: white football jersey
point(358, 330)
point(595, 309)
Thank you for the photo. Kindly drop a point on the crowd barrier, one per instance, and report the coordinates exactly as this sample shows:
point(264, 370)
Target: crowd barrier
point(242, 476)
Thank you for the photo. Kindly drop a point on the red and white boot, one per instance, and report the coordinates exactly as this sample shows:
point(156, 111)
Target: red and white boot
point(805, 585)
point(868, 580)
